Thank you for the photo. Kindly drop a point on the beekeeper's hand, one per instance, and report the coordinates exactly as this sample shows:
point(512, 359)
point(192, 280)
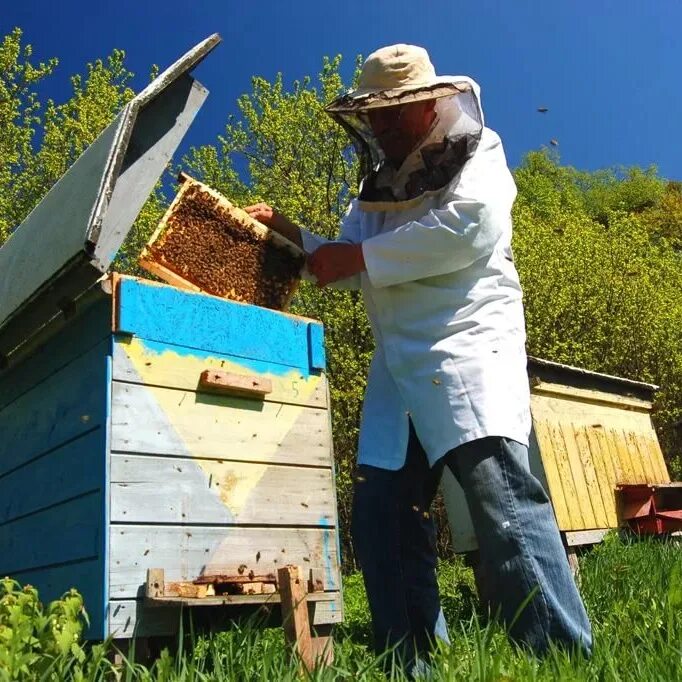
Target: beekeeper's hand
point(276, 221)
point(335, 261)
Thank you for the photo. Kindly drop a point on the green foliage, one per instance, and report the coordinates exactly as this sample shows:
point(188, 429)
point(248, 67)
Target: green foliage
point(39, 643)
point(602, 284)
point(20, 113)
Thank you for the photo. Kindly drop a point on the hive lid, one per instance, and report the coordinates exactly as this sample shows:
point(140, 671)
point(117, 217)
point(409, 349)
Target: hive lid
point(71, 237)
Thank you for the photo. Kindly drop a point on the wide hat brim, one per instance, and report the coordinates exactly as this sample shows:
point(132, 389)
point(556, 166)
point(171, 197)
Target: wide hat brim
point(362, 99)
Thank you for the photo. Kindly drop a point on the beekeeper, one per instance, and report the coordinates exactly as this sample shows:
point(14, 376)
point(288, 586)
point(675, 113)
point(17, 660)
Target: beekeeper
point(428, 241)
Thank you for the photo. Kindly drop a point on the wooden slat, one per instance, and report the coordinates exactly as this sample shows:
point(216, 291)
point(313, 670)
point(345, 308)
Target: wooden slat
point(649, 447)
point(591, 396)
point(146, 489)
point(558, 447)
point(71, 470)
point(640, 468)
point(128, 614)
point(186, 552)
point(592, 477)
point(612, 465)
point(604, 476)
point(606, 473)
point(140, 361)
point(170, 422)
point(292, 588)
point(584, 502)
point(69, 403)
point(585, 537)
point(71, 531)
point(74, 339)
point(620, 455)
point(213, 324)
point(549, 461)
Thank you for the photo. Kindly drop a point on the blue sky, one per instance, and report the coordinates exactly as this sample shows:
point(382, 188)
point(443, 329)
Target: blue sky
point(610, 72)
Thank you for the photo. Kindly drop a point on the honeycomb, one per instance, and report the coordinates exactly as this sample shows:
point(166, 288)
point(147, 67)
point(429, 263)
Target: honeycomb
point(215, 247)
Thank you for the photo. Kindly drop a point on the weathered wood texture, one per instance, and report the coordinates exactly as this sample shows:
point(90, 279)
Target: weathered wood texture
point(292, 588)
point(178, 490)
point(187, 552)
point(158, 312)
point(591, 441)
point(173, 366)
point(129, 616)
point(171, 422)
point(53, 417)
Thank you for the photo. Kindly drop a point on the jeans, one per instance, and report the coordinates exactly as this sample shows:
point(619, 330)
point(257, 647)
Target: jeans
point(521, 552)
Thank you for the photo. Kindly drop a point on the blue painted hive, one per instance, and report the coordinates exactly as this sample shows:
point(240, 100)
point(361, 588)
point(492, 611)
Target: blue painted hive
point(114, 461)
point(115, 458)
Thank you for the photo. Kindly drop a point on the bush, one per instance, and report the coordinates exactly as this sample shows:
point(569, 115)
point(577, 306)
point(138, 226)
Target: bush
point(39, 643)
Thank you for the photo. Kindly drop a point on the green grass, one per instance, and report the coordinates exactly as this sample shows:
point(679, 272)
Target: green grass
point(632, 590)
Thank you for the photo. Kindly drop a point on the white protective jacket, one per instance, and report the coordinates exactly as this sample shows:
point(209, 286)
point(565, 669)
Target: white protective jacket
point(443, 299)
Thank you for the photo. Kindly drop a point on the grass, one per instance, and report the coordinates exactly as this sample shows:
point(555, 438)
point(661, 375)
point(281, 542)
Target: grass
point(632, 590)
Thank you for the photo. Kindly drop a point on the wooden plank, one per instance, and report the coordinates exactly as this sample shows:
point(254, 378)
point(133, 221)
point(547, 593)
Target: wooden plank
point(559, 408)
point(77, 336)
point(591, 396)
point(71, 531)
point(147, 489)
point(173, 366)
point(71, 470)
point(70, 403)
point(162, 313)
point(613, 467)
point(641, 471)
point(292, 589)
point(129, 616)
point(229, 383)
point(592, 477)
point(182, 423)
point(554, 480)
point(583, 497)
point(186, 552)
point(585, 537)
point(557, 448)
point(620, 455)
point(605, 474)
point(649, 447)
point(167, 275)
point(35, 254)
point(86, 576)
point(194, 596)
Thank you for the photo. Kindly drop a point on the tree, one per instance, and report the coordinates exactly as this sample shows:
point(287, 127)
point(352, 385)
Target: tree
point(20, 114)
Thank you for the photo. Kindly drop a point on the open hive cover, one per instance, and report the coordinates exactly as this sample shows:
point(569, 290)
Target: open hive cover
point(71, 237)
point(207, 244)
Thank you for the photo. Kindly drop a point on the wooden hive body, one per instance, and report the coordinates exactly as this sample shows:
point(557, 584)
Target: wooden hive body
point(112, 461)
point(590, 433)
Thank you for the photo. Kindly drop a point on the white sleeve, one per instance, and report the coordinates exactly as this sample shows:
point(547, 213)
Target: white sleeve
point(349, 234)
point(452, 237)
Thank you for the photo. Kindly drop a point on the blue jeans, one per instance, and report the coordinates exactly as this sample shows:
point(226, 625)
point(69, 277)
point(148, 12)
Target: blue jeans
point(521, 553)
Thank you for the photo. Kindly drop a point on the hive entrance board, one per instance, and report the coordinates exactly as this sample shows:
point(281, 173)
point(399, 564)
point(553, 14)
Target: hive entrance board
point(205, 243)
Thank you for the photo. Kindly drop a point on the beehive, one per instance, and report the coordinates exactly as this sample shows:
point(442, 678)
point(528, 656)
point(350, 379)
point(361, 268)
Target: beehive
point(591, 432)
point(119, 453)
point(205, 243)
point(115, 459)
